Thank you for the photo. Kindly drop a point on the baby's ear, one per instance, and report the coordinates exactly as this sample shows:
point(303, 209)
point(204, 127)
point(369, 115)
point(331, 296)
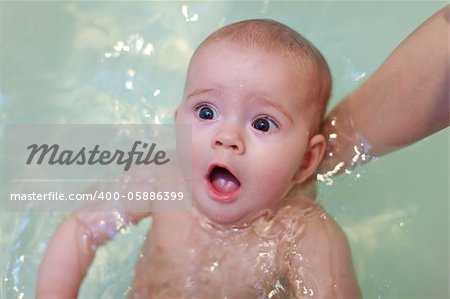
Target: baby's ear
point(311, 159)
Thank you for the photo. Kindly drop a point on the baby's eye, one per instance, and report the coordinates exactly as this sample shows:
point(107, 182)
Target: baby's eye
point(264, 124)
point(205, 112)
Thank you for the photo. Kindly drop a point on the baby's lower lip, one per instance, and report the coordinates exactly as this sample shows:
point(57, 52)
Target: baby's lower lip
point(222, 197)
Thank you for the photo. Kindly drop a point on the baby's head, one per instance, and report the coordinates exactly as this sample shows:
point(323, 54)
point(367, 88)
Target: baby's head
point(282, 43)
point(255, 94)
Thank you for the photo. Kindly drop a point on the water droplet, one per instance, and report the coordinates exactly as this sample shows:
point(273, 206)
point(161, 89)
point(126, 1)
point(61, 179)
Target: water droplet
point(131, 72)
point(148, 49)
point(119, 46)
point(358, 76)
point(129, 85)
point(185, 12)
point(194, 18)
point(139, 43)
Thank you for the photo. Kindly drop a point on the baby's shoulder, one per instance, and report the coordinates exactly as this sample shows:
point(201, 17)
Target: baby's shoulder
point(302, 222)
point(320, 233)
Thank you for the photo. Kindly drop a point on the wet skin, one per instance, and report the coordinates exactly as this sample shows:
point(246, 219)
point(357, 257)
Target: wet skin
point(253, 233)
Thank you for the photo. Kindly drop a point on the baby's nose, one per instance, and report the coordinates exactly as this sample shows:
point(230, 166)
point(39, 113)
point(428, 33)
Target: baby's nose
point(229, 138)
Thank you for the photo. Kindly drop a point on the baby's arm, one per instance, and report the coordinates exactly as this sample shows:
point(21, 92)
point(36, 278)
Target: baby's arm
point(72, 249)
point(322, 266)
point(405, 100)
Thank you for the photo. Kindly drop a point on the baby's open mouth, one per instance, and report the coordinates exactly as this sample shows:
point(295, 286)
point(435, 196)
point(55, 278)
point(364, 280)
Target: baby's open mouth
point(223, 180)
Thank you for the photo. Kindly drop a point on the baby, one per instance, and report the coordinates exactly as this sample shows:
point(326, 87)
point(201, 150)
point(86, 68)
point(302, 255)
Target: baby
point(255, 95)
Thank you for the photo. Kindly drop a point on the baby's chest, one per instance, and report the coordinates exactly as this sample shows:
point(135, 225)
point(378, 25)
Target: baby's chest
point(213, 268)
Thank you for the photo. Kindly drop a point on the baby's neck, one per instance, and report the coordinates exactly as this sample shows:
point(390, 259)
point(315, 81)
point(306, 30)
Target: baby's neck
point(260, 222)
point(221, 231)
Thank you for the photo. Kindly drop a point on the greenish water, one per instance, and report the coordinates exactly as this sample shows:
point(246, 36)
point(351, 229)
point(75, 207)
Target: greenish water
point(125, 62)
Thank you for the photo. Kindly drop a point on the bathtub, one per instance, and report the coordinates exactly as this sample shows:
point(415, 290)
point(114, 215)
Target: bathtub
point(116, 62)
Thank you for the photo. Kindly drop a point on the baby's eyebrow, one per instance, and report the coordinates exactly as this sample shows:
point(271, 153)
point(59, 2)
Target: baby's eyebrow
point(197, 92)
point(277, 106)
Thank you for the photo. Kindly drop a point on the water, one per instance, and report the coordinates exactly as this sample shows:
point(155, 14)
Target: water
point(117, 62)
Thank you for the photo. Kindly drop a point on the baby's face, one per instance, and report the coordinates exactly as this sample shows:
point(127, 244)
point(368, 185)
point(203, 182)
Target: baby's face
point(249, 130)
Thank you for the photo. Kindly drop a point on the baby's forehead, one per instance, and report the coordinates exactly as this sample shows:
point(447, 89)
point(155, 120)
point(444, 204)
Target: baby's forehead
point(259, 73)
point(297, 64)
point(220, 54)
point(280, 52)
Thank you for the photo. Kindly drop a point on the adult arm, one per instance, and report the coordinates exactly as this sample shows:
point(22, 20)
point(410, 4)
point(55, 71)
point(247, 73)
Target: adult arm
point(405, 100)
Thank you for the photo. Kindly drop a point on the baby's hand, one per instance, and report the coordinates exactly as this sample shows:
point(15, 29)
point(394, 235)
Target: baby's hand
point(72, 248)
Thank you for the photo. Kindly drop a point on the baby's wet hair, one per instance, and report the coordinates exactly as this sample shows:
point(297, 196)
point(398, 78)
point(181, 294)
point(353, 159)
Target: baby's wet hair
point(274, 37)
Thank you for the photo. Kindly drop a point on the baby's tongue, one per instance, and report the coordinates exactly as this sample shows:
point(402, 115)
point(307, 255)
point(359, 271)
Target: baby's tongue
point(223, 180)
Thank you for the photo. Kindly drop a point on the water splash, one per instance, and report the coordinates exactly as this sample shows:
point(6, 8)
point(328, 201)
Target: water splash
point(185, 12)
point(346, 149)
point(135, 44)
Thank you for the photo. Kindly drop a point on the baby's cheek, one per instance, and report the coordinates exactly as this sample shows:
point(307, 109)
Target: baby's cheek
point(278, 167)
point(200, 144)
point(273, 182)
point(196, 156)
